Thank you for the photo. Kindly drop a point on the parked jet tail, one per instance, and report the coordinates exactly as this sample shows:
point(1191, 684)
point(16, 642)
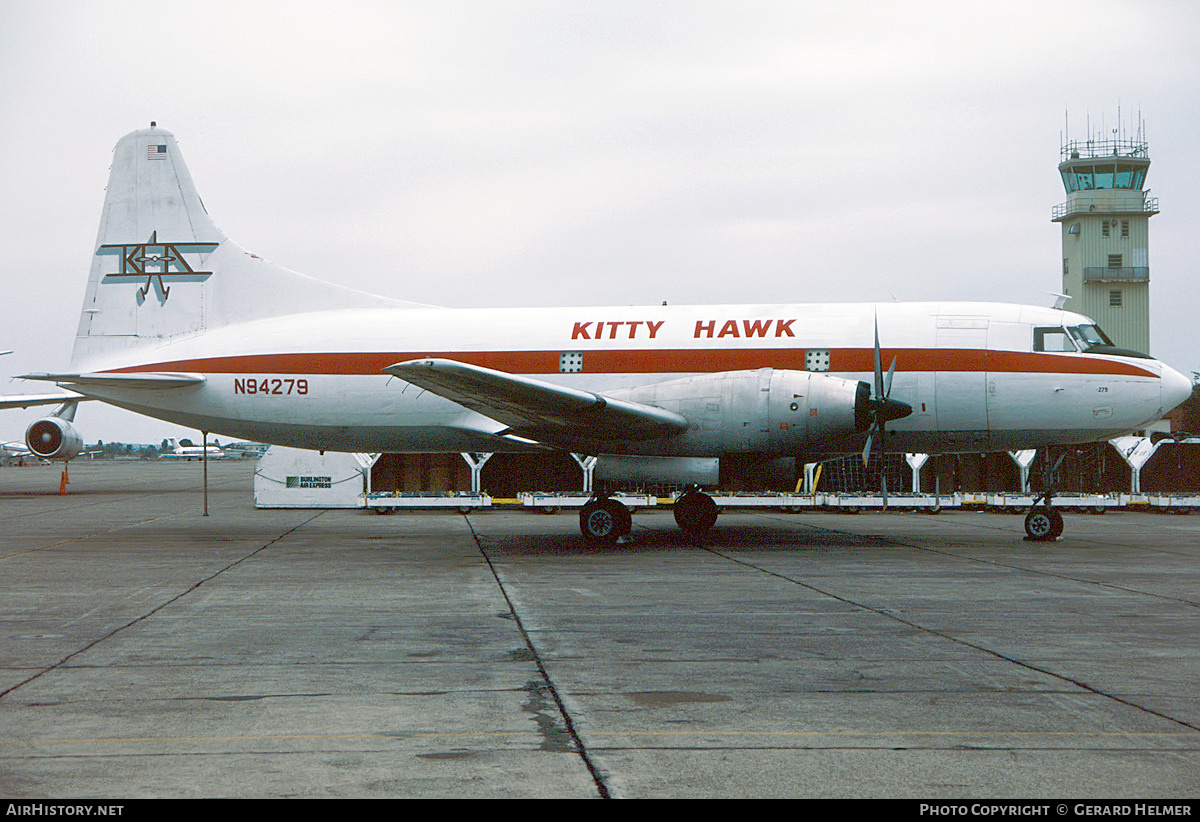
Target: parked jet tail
point(162, 269)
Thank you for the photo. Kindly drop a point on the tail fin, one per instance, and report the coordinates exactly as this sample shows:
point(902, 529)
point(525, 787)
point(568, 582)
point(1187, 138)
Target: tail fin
point(162, 269)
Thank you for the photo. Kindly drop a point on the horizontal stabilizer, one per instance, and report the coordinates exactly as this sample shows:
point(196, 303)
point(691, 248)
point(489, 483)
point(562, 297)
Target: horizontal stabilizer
point(536, 409)
point(154, 382)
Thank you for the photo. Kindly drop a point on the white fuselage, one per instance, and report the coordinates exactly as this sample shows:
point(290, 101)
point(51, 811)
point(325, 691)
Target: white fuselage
point(969, 371)
point(180, 323)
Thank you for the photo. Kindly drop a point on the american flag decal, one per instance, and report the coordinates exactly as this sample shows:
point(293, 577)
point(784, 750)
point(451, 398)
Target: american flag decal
point(154, 152)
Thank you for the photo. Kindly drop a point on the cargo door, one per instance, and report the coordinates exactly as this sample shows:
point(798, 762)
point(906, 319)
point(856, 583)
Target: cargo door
point(961, 383)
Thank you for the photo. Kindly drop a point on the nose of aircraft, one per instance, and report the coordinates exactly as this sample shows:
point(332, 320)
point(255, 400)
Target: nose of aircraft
point(1175, 388)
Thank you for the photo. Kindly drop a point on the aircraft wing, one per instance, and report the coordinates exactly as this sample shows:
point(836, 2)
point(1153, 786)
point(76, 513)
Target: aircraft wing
point(26, 400)
point(539, 410)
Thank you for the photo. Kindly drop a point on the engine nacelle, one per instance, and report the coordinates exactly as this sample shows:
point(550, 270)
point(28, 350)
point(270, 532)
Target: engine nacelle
point(767, 411)
point(53, 438)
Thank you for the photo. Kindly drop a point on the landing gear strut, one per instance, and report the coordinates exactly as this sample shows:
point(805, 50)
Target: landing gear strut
point(1043, 523)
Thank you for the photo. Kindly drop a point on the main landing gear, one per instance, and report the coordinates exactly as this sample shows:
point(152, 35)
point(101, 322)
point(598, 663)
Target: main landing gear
point(604, 520)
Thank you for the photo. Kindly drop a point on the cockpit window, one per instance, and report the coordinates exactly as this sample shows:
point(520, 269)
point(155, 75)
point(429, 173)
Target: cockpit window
point(1089, 335)
point(1052, 339)
point(1086, 338)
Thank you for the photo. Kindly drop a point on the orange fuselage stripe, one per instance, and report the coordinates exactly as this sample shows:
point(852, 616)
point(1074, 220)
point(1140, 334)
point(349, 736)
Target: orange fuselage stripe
point(659, 361)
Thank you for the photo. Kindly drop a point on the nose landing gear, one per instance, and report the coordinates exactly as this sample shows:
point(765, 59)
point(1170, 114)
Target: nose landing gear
point(1043, 523)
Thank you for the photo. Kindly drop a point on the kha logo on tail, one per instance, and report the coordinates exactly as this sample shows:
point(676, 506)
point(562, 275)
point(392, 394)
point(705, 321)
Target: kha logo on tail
point(158, 262)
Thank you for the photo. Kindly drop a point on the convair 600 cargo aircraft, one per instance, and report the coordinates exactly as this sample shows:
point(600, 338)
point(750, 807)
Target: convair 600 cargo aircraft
point(181, 324)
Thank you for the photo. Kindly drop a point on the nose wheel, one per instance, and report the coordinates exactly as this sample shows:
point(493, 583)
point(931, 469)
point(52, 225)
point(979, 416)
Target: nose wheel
point(1043, 524)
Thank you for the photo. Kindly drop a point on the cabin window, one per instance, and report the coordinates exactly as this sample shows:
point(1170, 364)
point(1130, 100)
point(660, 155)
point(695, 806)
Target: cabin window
point(1052, 339)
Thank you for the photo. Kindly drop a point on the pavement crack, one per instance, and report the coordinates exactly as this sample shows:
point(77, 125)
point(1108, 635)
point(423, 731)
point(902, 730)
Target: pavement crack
point(555, 736)
point(888, 614)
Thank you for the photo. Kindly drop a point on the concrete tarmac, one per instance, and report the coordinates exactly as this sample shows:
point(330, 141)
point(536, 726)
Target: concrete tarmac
point(147, 650)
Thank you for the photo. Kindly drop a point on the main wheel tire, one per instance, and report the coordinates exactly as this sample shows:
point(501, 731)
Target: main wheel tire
point(695, 512)
point(624, 519)
point(603, 521)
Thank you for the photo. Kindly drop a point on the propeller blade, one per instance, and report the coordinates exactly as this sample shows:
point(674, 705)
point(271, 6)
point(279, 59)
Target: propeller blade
point(882, 409)
point(878, 365)
point(883, 462)
point(870, 440)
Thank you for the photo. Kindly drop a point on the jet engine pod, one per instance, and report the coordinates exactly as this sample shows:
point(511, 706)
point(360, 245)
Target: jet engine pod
point(53, 438)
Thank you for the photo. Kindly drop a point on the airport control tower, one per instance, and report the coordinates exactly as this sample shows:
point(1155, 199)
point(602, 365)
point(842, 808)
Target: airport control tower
point(1106, 235)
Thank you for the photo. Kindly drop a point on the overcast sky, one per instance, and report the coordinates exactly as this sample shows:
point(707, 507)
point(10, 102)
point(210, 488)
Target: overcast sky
point(596, 153)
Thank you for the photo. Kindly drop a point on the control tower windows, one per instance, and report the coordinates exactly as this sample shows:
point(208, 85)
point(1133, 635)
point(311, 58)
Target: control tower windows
point(1104, 175)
